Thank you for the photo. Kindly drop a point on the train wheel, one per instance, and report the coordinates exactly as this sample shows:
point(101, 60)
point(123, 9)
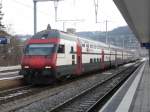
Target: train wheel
point(27, 79)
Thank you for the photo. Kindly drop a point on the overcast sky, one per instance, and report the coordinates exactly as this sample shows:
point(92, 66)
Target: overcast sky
point(19, 14)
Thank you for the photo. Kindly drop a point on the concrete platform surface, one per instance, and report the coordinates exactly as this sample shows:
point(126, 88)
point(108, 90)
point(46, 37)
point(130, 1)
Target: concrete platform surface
point(141, 101)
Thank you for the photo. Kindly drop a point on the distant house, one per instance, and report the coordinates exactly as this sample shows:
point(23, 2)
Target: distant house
point(4, 37)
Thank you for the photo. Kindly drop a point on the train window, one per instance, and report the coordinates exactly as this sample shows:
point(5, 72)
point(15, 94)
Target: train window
point(72, 50)
point(97, 60)
point(97, 47)
point(73, 62)
point(83, 45)
point(61, 48)
point(39, 49)
point(100, 60)
point(73, 56)
point(45, 36)
point(91, 60)
point(91, 46)
point(40, 35)
point(87, 45)
point(94, 60)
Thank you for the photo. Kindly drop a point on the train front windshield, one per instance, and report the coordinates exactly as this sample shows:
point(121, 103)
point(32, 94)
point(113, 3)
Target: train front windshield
point(39, 49)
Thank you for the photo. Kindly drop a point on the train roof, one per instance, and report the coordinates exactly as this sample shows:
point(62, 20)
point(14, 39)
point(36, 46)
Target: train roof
point(54, 33)
point(61, 34)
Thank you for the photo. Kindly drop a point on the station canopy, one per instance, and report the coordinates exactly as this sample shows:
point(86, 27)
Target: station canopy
point(137, 15)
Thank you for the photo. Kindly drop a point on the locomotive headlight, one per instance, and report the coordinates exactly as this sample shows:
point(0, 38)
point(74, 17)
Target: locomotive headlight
point(26, 66)
point(47, 66)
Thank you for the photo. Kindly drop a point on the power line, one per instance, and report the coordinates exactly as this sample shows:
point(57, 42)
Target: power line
point(28, 6)
point(23, 4)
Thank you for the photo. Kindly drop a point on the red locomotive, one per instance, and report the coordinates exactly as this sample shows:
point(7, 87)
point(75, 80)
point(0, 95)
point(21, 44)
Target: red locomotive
point(52, 54)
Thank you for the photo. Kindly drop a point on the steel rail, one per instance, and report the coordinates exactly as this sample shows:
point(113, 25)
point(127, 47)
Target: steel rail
point(80, 95)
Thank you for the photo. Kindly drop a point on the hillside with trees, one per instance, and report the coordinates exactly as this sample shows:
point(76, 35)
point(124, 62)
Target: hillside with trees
point(118, 37)
point(10, 53)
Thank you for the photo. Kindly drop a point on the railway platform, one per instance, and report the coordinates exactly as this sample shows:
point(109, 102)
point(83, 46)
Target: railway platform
point(10, 72)
point(9, 77)
point(10, 68)
point(134, 95)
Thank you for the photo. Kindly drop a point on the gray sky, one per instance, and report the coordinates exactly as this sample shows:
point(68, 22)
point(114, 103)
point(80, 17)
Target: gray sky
point(19, 13)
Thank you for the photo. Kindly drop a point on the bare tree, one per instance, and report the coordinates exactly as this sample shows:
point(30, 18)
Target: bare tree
point(10, 53)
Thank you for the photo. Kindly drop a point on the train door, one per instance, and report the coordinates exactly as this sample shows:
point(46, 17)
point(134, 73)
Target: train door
point(79, 58)
point(122, 58)
point(116, 62)
point(110, 56)
point(102, 59)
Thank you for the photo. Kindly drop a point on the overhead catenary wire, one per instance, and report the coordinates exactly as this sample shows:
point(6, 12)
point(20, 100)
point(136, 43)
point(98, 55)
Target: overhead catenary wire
point(29, 6)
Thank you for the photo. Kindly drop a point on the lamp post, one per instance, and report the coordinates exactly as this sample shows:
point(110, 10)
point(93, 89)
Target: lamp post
point(96, 9)
point(35, 10)
point(106, 30)
point(55, 7)
point(35, 17)
point(106, 35)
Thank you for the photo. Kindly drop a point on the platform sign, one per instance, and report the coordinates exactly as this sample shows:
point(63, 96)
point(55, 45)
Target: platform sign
point(146, 45)
point(4, 40)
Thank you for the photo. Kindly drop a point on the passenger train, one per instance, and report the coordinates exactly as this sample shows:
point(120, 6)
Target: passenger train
point(53, 54)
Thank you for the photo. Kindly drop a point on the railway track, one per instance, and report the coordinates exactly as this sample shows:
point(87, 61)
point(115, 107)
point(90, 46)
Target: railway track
point(26, 91)
point(12, 94)
point(85, 101)
point(9, 78)
point(8, 95)
point(22, 91)
point(10, 81)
